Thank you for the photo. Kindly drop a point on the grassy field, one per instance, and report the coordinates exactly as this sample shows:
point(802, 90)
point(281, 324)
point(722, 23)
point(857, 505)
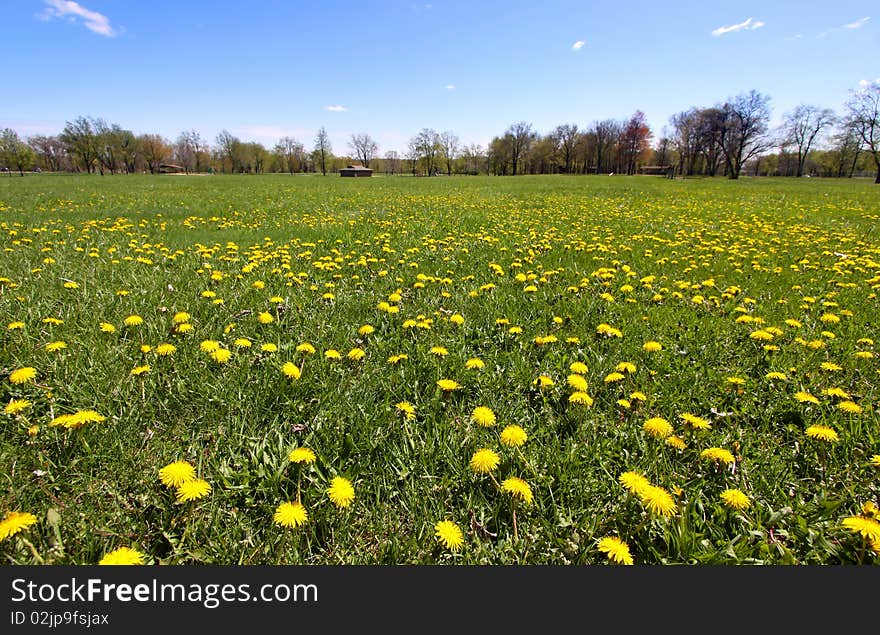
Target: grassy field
point(667, 371)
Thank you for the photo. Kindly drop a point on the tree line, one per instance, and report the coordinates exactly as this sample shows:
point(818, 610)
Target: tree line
point(726, 139)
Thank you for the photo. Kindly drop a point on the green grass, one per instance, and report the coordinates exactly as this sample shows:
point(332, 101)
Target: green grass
point(681, 260)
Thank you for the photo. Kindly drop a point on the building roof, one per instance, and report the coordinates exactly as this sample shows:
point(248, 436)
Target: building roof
point(357, 167)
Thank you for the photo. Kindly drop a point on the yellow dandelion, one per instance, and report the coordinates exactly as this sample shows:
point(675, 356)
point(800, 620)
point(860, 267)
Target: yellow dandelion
point(140, 370)
point(518, 488)
point(474, 363)
point(53, 347)
point(449, 534)
point(407, 409)
point(676, 442)
point(269, 347)
point(484, 461)
point(106, 327)
point(165, 349)
point(15, 326)
point(77, 419)
point(543, 381)
point(306, 348)
point(22, 375)
point(578, 368)
point(15, 522)
point(625, 367)
point(17, 406)
point(822, 433)
point(658, 500)
point(610, 378)
point(302, 455)
point(616, 550)
point(735, 499)
point(719, 455)
point(265, 318)
point(133, 320)
point(209, 346)
point(291, 370)
point(805, 397)
point(356, 354)
point(776, 376)
point(181, 317)
point(578, 382)
point(695, 422)
point(580, 398)
point(652, 347)
point(332, 353)
point(850, 407)
point(513, 436)
point(657, 427)
point(193, 490)
point(122, 556)
point(448, 385)
point(241, 342)
point(866, 527)
point(177, 473)
point(483, 416)
point(291, 515)
point(221, 355)
point(341, 492)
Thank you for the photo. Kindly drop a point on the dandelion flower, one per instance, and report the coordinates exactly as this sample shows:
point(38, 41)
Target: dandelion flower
point(513, 436)
point(291, 370)
point(484, 461)
point(483, 416)
point(543, 381)
point(53, 347)
point(123, 556)
point(221, 355)
point(652, 347)
point(22, 375)
point(850, 406)
point(241, 342)
point(775, 376)
point(17, 406)
point(407, 409)
point(77, 419)
point(291, 515)
point(657, 427)
point(133, 320)
point(634, 482)
point(356, 354)
point(306, 348)
point(301, 455)
point(366, 329)
point(805, 397)
point(448, 533)
point(265, 318)
point(610, 378)
point(865, 527)
point(616, 550)
point(15, 326)
point(518, 488)
point(193, 490)
point(269, 347)
point(719, 455)
point(474, 363)
point(106, 327)
point(658, 500)
point(177, 473)
point(15, 522)
point(735, 499)
point(209, 346)
point(581, 398)
point(695, 422)
point(181, 317)
point(625, 367)
point(448, 385)
point(332, 353)
point(341, 492)
point(676, 442)
point(578, 382)
point(579, 368)
point(822, 433)
point(165, 349)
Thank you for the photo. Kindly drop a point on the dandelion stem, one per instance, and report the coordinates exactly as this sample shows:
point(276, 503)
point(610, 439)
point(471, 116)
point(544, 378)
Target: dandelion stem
point(515, 534)
point(36, 554)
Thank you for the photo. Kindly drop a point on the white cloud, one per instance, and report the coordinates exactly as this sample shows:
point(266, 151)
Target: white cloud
point(335, 108)
point(73, 11)
point(748, 25)
point(857, 24)
point(864, 83)
point(577, 46)
point(798, 36)
point(450, 86)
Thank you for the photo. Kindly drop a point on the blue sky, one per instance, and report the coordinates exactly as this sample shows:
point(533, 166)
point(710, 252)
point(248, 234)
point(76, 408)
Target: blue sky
point(264, 69)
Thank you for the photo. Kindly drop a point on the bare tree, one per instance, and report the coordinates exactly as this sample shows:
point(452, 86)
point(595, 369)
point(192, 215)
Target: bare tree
point(864, 114)
point(50, 151)
point(364, 148)
point(567, 136)
point(606, 134)
point(801, 127)
point(392, 162)
point(322, 150)
point(744, 135)
point(521, 138)
point(290, 153)
point(427, 146)
point(449, 144)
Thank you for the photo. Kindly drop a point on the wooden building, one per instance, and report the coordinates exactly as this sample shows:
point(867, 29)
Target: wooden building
point(355, 170)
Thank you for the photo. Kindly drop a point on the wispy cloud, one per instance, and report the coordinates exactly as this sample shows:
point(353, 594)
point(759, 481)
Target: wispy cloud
point(797, 36)
point(73, 12)
point(335, 108)
point(450, 86)
point(577, 46)
point(857, 24)
point(864, 83)
point(748, 25)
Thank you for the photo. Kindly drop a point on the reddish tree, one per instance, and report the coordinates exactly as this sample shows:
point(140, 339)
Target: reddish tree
point(634, 140)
